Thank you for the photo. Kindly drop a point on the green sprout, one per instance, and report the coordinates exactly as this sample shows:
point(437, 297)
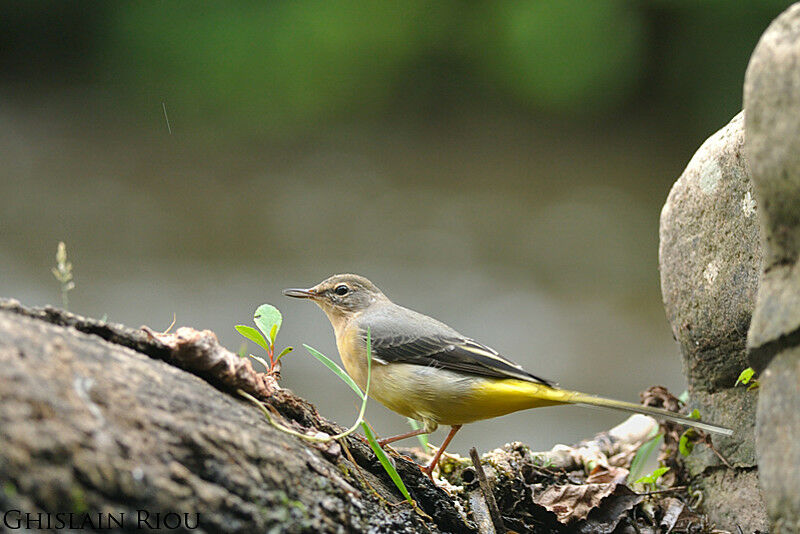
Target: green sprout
point(387, 464)
point(746, 377)
point(373, 442)
point(650, 481)
point(686, 442)
point(63, 273)
point(644, 453)
point(268, 319)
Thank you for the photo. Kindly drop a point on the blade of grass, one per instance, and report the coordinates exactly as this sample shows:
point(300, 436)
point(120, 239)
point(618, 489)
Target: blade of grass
point(385, 462)
point(423, 438)
point(643, 454)
point(333, 366)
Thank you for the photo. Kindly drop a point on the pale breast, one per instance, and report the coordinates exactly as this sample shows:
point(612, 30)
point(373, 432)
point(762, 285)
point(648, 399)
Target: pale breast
point(353, 353)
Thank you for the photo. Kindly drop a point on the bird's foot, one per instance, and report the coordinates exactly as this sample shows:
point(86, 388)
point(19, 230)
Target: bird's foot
point(428, 470)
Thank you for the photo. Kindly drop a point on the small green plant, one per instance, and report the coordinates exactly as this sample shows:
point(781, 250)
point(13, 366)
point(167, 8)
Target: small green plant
point(268, 319)
point(687, 441)
point(370, 435)
point(651, 481)
point(543, 461)
point(63, 273)
point(644, 453)
point(746, 378)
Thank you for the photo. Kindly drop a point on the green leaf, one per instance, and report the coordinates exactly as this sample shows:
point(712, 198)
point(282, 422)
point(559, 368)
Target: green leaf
point(684, 397)
point(268, 319)
point(745, 376)
point(644, 453)
point(333, 366)
point(252, 334)
point(283, 353)
point(423, 438)
point(385, 462)
point(273, 332)
point(653, 477)
point(686, 443)
point(695, 414)
point(658, 473)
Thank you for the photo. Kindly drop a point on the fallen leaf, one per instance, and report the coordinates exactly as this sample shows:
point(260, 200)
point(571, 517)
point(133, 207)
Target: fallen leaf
point(571, 502)
point(673, 508)
point(605, 518)
point(604, 474)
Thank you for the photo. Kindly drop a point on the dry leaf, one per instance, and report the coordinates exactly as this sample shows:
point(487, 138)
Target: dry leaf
point(605, 474)
point(572, 502)
point(606, 517)
point(672, 511)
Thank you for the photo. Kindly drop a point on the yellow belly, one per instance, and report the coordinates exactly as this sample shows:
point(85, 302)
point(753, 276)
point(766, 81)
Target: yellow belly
point(440, 396)
point(451, 398)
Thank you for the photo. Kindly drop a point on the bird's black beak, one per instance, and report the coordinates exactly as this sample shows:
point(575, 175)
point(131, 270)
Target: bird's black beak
point(300, 293)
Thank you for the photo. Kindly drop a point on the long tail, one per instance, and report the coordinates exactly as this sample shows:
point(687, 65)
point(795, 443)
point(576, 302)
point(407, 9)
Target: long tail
point(591, 400)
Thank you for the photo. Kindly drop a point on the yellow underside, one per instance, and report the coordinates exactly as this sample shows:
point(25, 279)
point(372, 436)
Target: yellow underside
point(449, 398)
point(437, 396)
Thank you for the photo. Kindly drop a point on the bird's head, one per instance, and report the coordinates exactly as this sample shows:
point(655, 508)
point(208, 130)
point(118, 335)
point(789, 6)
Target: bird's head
point(341, 294)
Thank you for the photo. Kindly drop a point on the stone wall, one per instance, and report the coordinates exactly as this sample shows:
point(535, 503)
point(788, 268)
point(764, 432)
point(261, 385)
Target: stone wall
point(772, 101)
point(730, 240)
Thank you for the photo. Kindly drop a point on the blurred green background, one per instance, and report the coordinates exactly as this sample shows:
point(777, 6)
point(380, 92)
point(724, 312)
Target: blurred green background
point(500, 165)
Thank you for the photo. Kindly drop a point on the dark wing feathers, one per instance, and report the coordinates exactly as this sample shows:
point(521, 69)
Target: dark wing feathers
point(446, 351)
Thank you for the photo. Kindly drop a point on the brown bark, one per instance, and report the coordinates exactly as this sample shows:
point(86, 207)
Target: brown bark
point(97, 417)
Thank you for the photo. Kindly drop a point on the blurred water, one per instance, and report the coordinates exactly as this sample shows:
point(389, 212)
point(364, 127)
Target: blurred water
point(537, 239)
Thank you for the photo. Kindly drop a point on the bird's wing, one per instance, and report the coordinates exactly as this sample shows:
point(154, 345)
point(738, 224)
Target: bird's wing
point(445, 349)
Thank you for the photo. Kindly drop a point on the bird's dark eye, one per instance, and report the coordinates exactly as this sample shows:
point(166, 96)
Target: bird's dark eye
point(341, 289)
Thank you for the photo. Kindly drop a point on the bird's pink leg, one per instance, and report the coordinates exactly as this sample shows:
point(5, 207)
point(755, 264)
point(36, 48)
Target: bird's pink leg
point(392, 439)
point(428, 470)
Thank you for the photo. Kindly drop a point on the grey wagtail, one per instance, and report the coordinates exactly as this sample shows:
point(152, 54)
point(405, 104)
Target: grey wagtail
point(423, 369)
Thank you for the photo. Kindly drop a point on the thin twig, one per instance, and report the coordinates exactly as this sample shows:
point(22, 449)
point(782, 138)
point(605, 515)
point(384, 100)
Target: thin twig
point(488, 496)
point(174, 318)
point(719, 455)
